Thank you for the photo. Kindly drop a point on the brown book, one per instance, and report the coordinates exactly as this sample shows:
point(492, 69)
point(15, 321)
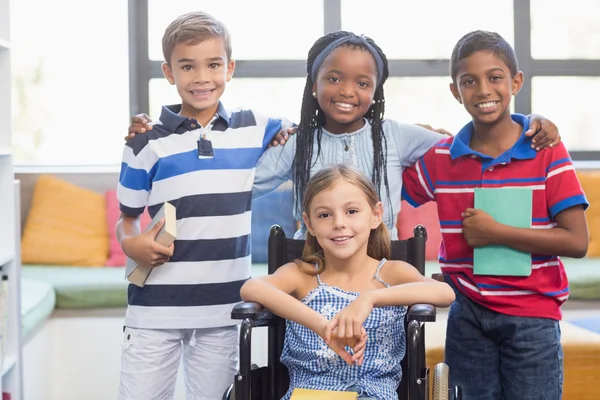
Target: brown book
point(138, 274)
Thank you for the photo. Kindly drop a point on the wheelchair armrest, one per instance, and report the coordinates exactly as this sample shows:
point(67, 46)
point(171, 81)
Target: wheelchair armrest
point(422, 313)
point(254, 311)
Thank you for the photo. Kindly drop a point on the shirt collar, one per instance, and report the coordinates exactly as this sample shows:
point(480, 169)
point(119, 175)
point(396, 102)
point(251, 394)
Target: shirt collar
point(521, 149)
point(171, 120)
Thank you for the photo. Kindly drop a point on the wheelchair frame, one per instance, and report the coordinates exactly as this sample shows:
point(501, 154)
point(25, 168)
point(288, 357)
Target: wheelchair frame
point(272, 381)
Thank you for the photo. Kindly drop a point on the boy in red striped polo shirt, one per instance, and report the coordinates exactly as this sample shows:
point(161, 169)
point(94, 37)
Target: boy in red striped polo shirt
point(503, 336)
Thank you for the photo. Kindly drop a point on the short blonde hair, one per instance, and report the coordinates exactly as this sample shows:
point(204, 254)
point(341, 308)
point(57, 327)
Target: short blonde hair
point(192, 28)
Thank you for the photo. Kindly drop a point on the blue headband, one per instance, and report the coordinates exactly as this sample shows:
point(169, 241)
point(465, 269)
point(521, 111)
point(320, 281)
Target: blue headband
point(353, 39)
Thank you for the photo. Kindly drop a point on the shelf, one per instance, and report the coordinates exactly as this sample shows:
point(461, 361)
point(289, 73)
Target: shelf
point(9, 362)
point(5, 258)
point(4, 45)
point(5, 151)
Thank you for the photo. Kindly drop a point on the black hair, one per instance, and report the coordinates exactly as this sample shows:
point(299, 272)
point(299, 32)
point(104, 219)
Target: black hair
point(312, 119)
point(483, 41)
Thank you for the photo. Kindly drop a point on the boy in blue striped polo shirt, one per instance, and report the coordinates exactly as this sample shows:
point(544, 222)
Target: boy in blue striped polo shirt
point(200, 158)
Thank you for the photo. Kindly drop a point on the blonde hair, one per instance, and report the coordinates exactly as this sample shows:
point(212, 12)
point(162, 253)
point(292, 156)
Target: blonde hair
point(378, 246)
point(192, 28)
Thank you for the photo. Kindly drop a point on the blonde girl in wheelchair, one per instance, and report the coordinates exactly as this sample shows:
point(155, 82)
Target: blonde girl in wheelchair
point(344, 302)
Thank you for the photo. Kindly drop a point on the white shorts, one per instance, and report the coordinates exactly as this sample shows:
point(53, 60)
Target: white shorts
point(151, 358)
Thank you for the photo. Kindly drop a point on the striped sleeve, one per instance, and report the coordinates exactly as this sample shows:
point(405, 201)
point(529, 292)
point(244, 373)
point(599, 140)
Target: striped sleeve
point(418, 180)
point(134, 184)
point(563, 189)
point(272, 127)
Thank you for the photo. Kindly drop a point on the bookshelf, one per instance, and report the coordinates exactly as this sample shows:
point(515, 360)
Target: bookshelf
point(11, 368)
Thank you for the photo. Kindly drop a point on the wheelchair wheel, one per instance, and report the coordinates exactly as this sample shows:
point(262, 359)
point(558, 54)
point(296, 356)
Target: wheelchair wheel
point(440, 382)
point(230, 393)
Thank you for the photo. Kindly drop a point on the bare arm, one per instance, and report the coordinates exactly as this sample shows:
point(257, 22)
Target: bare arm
point(276, 293)
point(127, 227)
point(141, 247)
point(569, 238)
point(408, 287)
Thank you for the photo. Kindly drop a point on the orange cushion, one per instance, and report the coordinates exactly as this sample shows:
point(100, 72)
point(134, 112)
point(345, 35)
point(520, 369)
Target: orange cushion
point(66, 225)
point(425, 215)
point(590, 182)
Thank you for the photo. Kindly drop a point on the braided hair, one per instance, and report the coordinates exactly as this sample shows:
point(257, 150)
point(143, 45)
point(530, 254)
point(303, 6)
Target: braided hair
point(312, 120)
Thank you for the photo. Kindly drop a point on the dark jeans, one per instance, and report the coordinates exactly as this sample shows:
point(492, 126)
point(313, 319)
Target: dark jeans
point(495, 356)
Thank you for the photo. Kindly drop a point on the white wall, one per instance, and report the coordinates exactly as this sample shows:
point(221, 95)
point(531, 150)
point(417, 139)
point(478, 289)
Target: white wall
point(75, 358)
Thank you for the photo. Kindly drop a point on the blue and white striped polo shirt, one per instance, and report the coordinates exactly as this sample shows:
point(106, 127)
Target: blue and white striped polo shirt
point(201, 282)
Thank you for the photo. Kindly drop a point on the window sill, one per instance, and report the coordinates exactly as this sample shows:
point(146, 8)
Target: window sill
point(66, 169)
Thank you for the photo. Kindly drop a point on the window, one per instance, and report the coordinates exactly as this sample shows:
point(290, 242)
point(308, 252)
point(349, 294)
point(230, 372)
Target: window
point(558, 49)
point(425, 101)
point(272, 97)
point(70, 81)
point(269, 29)
point(570, 102)
point(425, 29)
point(562, 30)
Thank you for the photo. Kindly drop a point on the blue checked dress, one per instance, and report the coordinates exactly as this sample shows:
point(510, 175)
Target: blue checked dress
point(313, 365)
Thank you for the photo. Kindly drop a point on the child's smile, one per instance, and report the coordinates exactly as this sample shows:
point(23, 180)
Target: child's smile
point(345, 87)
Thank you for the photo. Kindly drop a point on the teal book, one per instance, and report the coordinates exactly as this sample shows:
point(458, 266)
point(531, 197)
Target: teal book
point(509, 206)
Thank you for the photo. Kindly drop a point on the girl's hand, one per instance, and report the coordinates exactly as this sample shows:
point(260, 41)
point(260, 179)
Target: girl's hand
point(349, 322)
point(140, 123)
point(359, 348)
point(544, 132)
point(338, 345)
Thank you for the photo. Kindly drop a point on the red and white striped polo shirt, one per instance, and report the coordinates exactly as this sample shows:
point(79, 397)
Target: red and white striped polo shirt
point(448, 173)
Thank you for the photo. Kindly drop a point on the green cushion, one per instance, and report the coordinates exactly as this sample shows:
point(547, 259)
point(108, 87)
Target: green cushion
point(90, 287)
point(82, 287)
point(584, 278)
point(37, 303)
point(106, 287)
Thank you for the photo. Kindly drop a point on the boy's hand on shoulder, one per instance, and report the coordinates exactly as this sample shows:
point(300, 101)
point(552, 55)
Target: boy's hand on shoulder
point(544, 132)
point(140, 124)
point(144, 250)
point(282, 137)
point(438, 130)
point(478, 227)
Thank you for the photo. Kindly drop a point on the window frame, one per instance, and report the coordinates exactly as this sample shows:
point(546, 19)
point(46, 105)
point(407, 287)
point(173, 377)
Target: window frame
point(142, 69)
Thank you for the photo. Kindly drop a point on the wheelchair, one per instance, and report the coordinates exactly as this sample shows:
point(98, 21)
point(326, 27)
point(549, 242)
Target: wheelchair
point(271, 382)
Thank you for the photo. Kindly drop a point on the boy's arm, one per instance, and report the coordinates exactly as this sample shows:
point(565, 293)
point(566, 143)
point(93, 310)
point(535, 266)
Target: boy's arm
point(273, 168)
point(418, 180)
point(132, 193)
point(569, 238)
point(566, 202)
